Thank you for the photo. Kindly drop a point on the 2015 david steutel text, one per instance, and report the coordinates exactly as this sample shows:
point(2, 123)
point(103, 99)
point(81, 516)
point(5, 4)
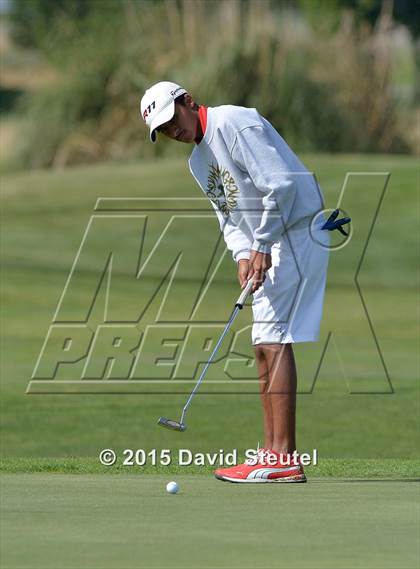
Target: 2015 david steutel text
point(186, 457)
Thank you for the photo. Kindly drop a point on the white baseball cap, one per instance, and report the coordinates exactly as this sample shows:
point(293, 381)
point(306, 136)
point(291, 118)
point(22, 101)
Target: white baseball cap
point(157, 105)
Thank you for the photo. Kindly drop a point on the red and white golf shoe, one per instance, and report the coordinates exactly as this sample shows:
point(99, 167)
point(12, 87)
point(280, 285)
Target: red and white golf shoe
point(269, 466)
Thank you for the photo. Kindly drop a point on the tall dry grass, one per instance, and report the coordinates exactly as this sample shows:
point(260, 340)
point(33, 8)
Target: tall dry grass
point(323, 90)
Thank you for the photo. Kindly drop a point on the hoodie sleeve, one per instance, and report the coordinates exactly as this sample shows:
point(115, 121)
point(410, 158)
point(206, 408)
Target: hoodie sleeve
point(254, 152)
point(236, 240)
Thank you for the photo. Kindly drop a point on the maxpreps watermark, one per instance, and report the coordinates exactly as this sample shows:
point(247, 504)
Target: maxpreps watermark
point(186, 457)
point(126, 323)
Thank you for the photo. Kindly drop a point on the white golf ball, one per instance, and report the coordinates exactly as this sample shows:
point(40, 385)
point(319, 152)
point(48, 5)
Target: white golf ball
point(172, 488)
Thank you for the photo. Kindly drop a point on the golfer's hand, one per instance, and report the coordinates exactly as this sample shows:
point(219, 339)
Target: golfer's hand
point(258, 265)
point(243, 269)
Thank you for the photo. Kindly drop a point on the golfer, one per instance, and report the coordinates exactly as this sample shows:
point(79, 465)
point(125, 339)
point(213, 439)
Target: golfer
point(269, 209)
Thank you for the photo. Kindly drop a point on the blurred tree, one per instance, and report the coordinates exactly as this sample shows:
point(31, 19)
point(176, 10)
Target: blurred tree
point(32, 21)
point(406, 12)
point(324, 15)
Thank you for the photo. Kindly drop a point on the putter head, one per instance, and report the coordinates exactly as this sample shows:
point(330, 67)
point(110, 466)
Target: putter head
point(171, 424)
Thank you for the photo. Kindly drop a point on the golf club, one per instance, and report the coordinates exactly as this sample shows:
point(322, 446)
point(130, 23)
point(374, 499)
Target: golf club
point(180, 425)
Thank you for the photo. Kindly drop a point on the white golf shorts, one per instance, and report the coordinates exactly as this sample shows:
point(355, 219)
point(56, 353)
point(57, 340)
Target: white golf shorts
point(287, 308)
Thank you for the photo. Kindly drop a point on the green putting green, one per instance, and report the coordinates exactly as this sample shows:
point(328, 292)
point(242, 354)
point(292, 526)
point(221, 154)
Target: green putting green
point(60, 521)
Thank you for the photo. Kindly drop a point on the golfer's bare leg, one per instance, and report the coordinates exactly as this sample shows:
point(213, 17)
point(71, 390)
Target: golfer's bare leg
point(265, 399)
point(281, 392)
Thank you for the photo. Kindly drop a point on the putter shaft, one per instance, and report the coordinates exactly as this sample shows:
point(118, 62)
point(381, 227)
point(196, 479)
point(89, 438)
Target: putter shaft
point(203, 373)
point(181, 426)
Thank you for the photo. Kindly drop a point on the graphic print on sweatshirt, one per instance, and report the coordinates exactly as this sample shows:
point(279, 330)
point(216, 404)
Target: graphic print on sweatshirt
point(222, 189)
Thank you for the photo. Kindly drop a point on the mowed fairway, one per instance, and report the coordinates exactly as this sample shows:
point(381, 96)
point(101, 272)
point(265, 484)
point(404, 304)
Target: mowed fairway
point(124, 521)
point(351, 411)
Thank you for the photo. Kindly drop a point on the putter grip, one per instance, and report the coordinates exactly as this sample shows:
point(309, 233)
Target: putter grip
point(244, 295)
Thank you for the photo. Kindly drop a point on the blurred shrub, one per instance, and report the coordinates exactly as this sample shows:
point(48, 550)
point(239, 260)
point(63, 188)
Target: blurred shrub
point(32, 19)
point(323, 92)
